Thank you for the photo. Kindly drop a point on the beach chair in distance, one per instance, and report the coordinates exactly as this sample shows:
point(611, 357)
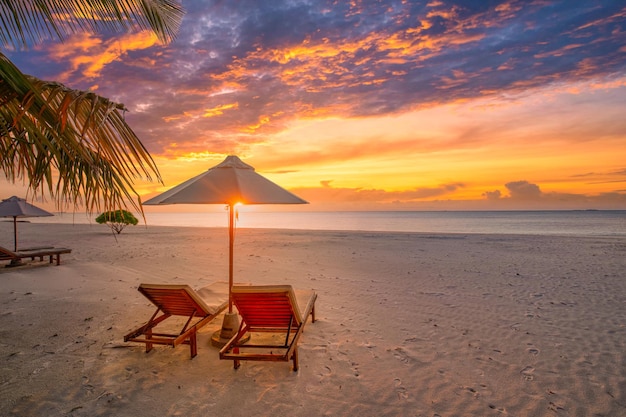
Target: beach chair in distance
point(191, 309)
point(275, 316)
point(16, 257)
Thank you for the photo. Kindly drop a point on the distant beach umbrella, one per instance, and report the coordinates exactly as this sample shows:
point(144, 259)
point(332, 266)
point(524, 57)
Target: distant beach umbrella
point(18, 207)
point(230, 182)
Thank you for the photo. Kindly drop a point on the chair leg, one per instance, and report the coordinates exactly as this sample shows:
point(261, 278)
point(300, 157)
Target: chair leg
point(148, 344)
point(295, 359)
point(193, 344)
point(236, 363)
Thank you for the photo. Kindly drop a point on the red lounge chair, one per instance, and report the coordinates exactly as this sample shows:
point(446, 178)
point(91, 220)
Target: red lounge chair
point(275, 316)
point(16, 257)
point(194, 309)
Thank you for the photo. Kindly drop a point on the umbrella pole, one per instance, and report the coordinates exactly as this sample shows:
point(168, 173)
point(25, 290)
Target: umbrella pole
point(15, 233)
point(230, 323)
point(231, 240)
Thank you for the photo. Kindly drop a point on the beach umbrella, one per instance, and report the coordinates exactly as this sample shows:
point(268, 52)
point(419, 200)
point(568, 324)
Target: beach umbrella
point(230, 182)
point(18, 207)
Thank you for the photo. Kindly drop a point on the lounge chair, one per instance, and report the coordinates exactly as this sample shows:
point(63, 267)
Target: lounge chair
point(191, 309)
point(275, 316)
point(32, 253)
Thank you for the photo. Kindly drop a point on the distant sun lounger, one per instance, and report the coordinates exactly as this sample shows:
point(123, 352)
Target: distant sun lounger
point(193, 310)
point(16, 257)
point(275, 316)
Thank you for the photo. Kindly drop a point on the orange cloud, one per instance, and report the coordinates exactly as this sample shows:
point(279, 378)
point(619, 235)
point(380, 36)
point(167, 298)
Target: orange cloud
point(263, 120)
point(89, 54)
point(219, 110)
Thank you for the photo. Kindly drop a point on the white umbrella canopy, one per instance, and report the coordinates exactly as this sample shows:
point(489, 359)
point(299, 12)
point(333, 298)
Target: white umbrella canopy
point(18, 207)
point(230, 182)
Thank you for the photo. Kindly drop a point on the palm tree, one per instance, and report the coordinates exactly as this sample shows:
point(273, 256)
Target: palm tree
point(70, 144)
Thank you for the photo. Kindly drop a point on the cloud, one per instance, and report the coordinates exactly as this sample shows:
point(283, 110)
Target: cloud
point(526, 195)
point(280, 61)
point(328, 194)
point(86, 55)
point(523, 195)
point(492, 195)
point(404, 103)
point(523, 190)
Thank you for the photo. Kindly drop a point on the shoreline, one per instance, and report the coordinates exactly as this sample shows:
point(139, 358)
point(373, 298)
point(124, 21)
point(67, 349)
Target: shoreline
point(571, 223)
point(104, 229)
point(408, 324)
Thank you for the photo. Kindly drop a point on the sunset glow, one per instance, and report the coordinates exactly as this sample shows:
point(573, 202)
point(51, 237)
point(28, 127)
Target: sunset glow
point(393, 105)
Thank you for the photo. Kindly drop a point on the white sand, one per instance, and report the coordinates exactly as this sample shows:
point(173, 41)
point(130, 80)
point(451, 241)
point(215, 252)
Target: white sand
point(408, 325)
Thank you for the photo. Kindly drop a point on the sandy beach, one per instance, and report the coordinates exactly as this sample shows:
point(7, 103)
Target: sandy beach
point(408, 324)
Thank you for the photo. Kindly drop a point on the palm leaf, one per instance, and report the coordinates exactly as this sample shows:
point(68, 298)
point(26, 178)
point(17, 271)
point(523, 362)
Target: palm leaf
point(26, 22)
point(72, 144)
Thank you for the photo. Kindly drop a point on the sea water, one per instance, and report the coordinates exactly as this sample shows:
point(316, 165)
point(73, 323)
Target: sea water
point(584, 223)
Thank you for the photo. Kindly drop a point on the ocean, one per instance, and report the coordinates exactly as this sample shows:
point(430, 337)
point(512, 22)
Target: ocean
point(583, 223)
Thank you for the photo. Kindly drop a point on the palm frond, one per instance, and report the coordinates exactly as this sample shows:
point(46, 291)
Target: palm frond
point(28, 22)
point(72, 144)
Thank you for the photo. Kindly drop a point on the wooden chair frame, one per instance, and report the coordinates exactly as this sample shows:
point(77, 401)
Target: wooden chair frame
point(180, 301)
point(16, 257)
point(269, 309)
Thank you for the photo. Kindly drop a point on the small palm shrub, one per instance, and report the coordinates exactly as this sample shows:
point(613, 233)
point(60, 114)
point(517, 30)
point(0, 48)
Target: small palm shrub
point(117, 220)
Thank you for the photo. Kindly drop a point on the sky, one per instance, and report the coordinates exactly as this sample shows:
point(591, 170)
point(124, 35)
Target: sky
point(376, 105)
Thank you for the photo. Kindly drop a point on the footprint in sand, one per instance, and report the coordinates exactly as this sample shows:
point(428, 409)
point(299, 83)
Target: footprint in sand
point(465, 389)
point(400, 390)
point(401, 355)
point(527, 373)
point(326, 371)
point(499, 409)
point(533, 351)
